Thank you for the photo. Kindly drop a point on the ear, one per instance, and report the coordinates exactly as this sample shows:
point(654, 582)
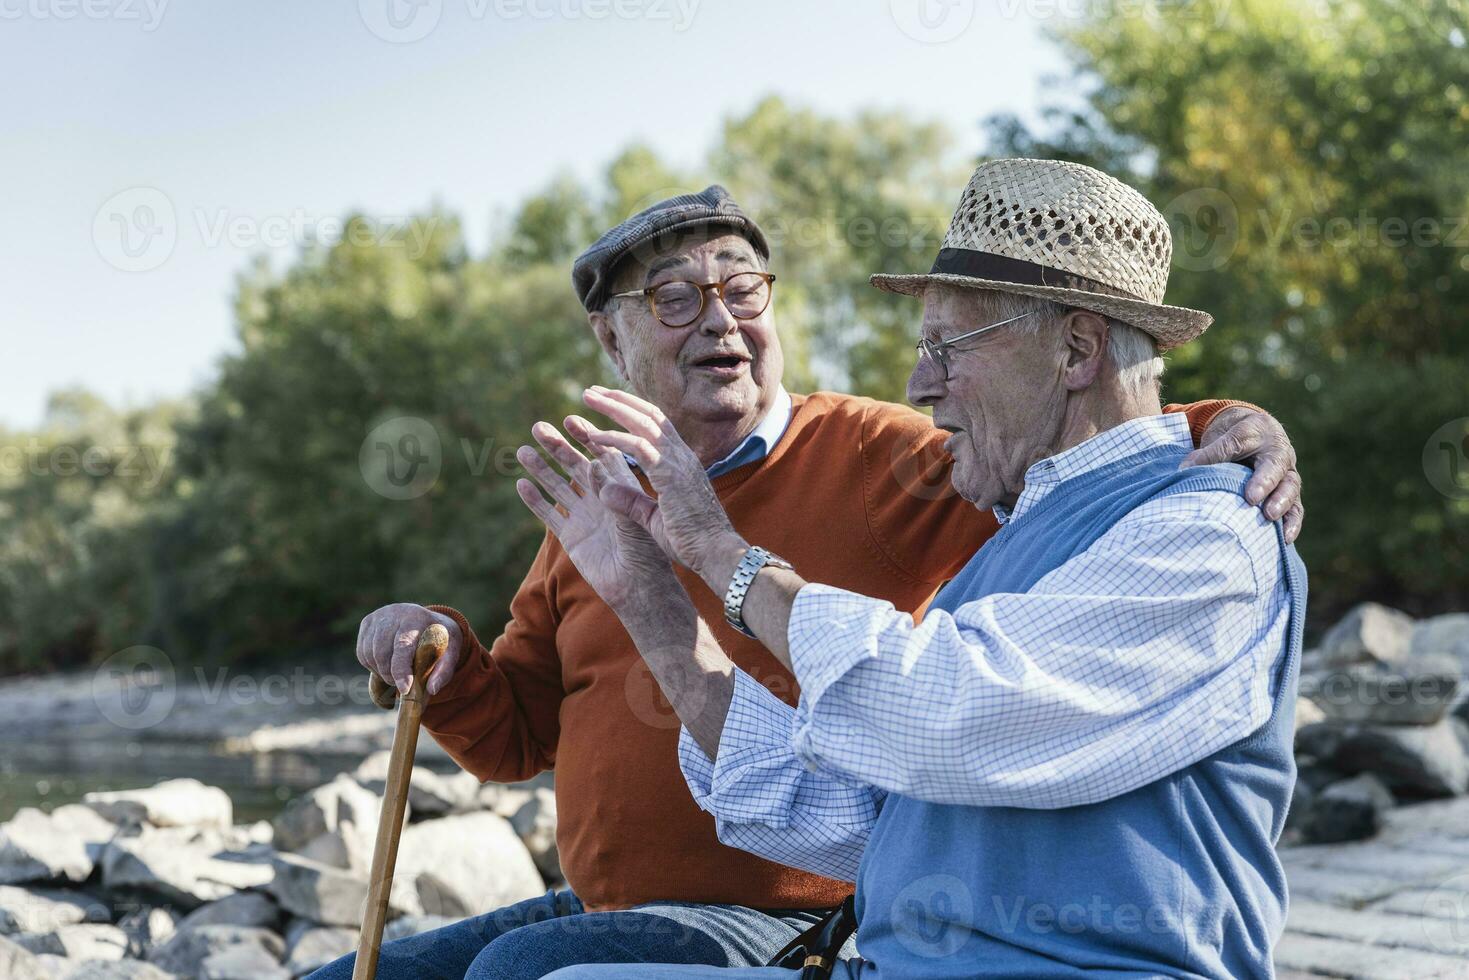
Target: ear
point(606, 331)
point(1085, 337)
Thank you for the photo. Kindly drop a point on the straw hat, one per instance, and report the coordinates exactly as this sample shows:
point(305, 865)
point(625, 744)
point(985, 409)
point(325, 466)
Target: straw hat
point(1063, 232)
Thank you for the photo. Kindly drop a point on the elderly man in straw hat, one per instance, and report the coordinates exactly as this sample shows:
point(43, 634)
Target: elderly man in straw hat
point(1079, 762)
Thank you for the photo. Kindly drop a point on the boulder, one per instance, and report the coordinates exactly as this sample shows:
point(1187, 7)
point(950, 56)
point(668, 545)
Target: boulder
point(244, 962)
point(1412, 760)
point(535, 825)
point(1353, 809)
point(172, 803)
point(429, 793)
point(412, 925)
point(1417, 690)
point(476, 857)
point(186, 952)
point(310, 947)
point(84, 941)
point(349, 847)
point(147, 927)
point(323, 810)
point(252, 909)
point(61, 845)
point(331, 896)
point(46, 909)
point(1443, 634)
point(119, 970)
point(1307, 713)
point(1370, 632)
point(19, 963)
point(183, 866)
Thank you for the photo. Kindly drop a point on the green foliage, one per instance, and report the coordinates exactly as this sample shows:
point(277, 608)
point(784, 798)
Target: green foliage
point(1311, 158)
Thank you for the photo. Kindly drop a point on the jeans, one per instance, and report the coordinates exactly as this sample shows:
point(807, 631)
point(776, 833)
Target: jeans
point(528, 940)
point(841, 970)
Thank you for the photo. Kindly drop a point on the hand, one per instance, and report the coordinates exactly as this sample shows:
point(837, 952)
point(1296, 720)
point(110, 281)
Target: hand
point(1241, 435)
point(618, 556)
point(693, 522)
point(388, 637)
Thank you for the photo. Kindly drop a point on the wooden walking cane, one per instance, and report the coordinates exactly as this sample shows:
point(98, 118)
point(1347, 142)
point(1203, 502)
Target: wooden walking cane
point(431, 646)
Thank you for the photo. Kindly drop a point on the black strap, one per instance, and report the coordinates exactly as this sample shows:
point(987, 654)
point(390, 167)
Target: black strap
point(1002, 268)
point(814, 951)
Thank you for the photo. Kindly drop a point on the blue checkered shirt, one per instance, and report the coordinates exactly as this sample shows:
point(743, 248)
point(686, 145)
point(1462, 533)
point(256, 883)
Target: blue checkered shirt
point(1147, 652)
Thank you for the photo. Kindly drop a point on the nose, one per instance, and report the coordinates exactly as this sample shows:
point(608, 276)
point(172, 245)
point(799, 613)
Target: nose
point(926, 385)
point(716, 318)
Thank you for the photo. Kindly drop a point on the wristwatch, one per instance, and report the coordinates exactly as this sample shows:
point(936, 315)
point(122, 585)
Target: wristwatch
point(754, 559)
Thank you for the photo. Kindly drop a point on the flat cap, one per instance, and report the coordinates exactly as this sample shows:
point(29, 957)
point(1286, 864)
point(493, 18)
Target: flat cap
point(656, 230)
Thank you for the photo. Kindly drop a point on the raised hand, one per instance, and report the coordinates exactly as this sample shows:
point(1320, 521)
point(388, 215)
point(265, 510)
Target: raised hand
point(693, 522)
point(614, 552)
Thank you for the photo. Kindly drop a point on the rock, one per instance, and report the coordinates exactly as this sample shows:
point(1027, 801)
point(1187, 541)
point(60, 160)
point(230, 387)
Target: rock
point(183, 866)
point(244, 962)
point(19, 963)
point(1417, 690)
point(120, 970)
point(323, 810)
point(1350, 810)
point(322, 893)
point(1443, 634)
point(477, 857)
point(47, 909)
point(1412, 760)
point(147, 927)
point(535, 825)
point(240, 909)
point(85, 941)
point(429, 793)
point(186, 952)
point(349, 847)
point(1301, 798)
point(1307, 713)
point(1370, 632)
point(412, 925)
point(63, 844)
point(310, 947)
point(172, 803)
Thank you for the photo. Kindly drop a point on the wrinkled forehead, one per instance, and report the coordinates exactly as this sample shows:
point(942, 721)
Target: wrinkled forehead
point(694, 254)
point(949, 311)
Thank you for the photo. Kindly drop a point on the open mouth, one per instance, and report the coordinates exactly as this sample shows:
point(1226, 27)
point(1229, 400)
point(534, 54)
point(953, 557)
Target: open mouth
point(720, 362)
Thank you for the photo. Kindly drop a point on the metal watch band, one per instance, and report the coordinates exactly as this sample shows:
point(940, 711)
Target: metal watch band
point(754, 559)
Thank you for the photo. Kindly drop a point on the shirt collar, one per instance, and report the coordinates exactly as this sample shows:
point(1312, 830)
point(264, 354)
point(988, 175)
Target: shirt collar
point(758, 443)
point(1128, 439)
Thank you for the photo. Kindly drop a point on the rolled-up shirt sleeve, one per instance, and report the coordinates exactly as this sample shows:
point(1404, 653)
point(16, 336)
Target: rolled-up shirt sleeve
point(767, 801)
point(1147, 652)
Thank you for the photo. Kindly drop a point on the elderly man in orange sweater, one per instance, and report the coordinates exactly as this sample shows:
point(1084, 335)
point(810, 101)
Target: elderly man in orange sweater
point(854, 491)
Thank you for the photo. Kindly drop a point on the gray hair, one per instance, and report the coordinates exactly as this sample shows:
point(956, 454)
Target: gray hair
point(1133, 352)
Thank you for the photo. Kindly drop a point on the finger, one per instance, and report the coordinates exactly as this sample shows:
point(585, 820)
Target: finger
point(1284, 497)
point(1271, 469)
point(442, 672)
point(614, 462)
point(539, 506)
point(382, 647)
point(638, 448)
point(364, 651)
point(552, 482)
point(1293, 521)
point(638, 422)
point(405, 641)
point(632, 401)
point(629, 502)
point(1237, 444)
point(562, 451)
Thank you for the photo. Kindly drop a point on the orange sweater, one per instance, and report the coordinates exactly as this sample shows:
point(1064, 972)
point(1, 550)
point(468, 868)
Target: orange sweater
point(855, 494)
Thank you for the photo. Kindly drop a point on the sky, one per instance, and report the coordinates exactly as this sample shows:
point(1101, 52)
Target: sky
point(151, 148)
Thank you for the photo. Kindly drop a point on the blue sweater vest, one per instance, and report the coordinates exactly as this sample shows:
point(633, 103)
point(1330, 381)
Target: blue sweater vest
point(1176, 878)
